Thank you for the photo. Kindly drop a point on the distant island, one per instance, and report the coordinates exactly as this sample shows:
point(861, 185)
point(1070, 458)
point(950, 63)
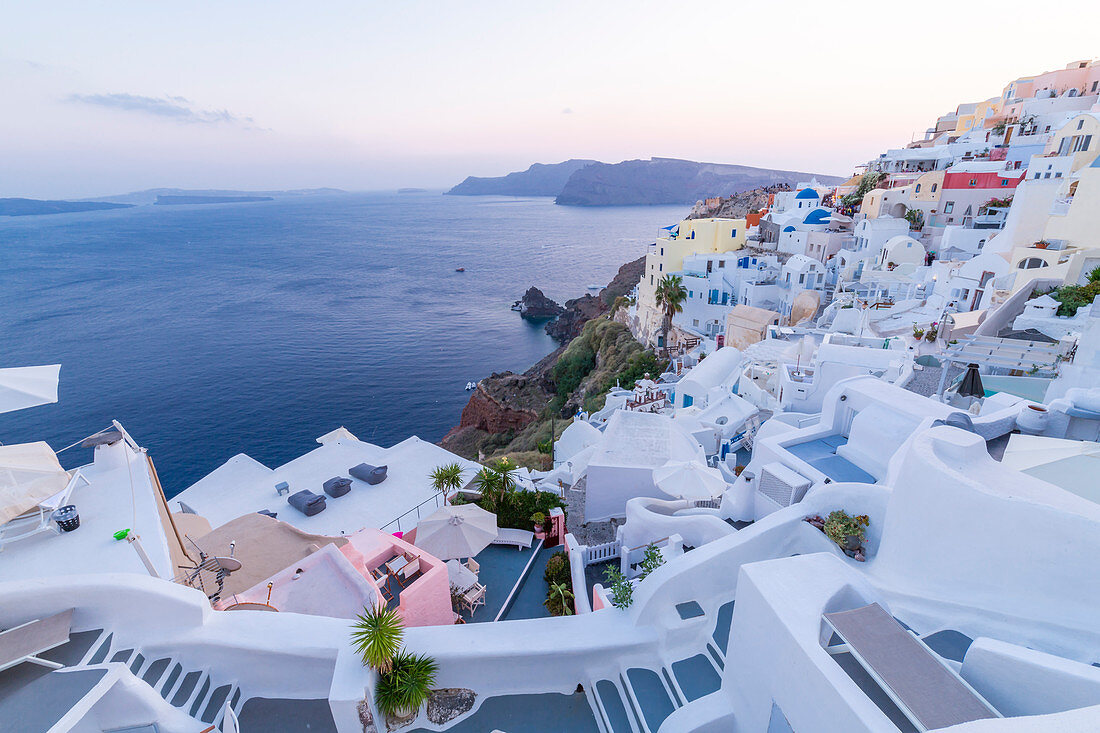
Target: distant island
point(540, 179)
point(181, 200)
point(634, 182)
point(150, 195)
point(36, 207)
point(412, 190)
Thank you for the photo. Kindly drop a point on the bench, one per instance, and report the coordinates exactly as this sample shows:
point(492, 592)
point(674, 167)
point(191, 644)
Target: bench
point(25, 642)
point(520, 538)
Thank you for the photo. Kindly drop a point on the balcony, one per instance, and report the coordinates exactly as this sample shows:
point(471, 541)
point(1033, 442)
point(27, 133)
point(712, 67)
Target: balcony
point(1060, 207)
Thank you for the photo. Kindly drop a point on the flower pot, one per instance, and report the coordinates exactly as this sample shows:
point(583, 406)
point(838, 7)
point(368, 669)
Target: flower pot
point(1032, 420)
point(852, 543)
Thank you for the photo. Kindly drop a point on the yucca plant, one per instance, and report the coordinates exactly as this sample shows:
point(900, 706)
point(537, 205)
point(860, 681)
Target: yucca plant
point(447, 478)
point(376, 635)
point(559, 599)
point(402, 690)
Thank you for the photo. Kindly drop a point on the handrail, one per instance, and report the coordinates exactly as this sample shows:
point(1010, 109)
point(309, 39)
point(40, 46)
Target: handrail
point(416, 509)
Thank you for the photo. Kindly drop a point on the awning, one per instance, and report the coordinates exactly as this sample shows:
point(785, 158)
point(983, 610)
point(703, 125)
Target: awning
point(29, 474)
point(22, 387)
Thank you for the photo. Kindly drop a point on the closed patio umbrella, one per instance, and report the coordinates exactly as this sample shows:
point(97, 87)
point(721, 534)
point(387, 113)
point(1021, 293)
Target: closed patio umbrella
point(456, 531)
point(971, 384)
point(22, 387)
point(689, 480)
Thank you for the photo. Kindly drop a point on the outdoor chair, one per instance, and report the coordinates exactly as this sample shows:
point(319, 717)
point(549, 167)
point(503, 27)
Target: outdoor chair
point(337, 487)
point(406, 573)
point(386, 593)
point(25, 642)
point(474, 597)
point(307, 502)
point(368, 473)
point(37, 520)
point(473, 566)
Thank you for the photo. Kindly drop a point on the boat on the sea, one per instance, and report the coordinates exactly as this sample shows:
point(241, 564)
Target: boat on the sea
point(460, 269)
point(470, 386)
point(595, 287)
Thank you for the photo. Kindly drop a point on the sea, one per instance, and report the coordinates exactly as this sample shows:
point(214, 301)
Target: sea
point(218, 329)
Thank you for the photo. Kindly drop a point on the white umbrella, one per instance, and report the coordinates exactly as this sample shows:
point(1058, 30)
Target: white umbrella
point(689, 480)
point(456, 531)
point(22, 387)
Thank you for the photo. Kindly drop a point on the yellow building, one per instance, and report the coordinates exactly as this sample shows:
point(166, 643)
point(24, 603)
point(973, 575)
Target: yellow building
point(1080, 138)
point(666, 256)
point(972, 116)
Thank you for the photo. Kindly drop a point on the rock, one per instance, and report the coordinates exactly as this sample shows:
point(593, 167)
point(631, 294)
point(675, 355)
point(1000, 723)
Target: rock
point(535, 305)
point(366, 718)
point(540, 179)
point(448, 703)
point(580, 311)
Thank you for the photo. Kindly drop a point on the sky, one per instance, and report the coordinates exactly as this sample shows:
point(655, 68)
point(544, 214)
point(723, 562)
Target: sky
point(99, 98)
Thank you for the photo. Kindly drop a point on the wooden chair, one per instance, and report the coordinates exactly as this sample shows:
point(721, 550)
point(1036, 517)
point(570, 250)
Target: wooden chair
point(406, 573)
point(473, 566)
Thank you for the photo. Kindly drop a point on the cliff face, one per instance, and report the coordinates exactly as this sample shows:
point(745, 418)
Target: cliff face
point(737, 205)
point(539, 180)
point(512, 413)
point(579, 311)
point(669, 181)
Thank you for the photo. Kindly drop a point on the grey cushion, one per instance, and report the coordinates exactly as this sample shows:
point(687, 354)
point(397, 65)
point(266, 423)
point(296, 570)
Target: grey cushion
point(338, 486)
point(307, 502)
point(371, 474)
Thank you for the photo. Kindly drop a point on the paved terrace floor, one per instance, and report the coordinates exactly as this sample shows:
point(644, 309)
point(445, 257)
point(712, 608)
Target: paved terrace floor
point(501, 570)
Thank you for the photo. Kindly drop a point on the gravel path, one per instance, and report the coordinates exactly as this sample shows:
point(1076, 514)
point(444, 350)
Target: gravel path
point(593, 533)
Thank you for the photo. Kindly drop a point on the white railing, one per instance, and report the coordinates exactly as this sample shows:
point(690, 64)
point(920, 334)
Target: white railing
point(601, 553)
point(1060, 207)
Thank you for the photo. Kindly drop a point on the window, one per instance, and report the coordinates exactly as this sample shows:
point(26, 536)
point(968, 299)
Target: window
point(934, 187)
point(691, 293)
point(721, 263)
point(694, 322)
point(917, 189)
point(1080, 124)
point(662, 251)
point(733, 233)
point(973, 182)
point(1004, 181)
point(1031, 263)
point(1094, 86)
point(1058, 174)
point(650, 279)
point(1046, 175)
point(801, 279)
point(1036, 176)
point(949, 207)
point(661, 267)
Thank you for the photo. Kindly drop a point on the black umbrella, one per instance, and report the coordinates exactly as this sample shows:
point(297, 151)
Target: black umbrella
point(971, 384)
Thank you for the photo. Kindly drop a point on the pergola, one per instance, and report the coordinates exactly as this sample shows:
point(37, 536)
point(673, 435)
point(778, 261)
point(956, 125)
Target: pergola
point(990, 351)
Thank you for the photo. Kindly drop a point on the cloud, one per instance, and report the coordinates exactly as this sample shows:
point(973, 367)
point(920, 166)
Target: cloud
point(180, 109)
point(567, 111)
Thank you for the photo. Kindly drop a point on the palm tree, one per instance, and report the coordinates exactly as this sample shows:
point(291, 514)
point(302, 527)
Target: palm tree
point(486, 481)
point(447, 478)
point(671, 295)
point(376, 635)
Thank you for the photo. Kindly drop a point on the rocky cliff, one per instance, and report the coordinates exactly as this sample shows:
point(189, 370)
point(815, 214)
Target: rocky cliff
point(579, 311)
point(669, 181)
point(512, 414)
point(539, 180)
point(535, 305)
point(737, 205)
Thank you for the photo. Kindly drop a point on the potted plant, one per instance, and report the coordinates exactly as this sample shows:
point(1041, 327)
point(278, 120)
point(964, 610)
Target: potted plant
point(560, 599)
point(402, 690)
point(918, 332)
point(539, 520)
point(846, 531)
point(932, 332)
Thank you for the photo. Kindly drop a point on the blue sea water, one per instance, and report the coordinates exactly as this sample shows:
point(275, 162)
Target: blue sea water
point(213, 330)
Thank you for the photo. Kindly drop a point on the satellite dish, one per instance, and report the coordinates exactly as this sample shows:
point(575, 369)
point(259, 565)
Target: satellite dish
point(228, 564)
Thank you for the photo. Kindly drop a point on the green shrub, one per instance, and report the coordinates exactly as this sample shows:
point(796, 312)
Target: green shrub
point(557, 569)
point(651, 560)
point(559, 600)
point(406, 686)
point(620, 588)
point(576, 362)
point(839, 525)
point(376, 634)
point(514, 510)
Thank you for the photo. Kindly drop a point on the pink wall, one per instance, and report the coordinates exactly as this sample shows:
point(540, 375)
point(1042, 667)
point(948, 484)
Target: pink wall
point(424, 602)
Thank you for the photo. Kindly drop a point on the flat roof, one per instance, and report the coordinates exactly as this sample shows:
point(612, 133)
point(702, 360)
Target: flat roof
point(243, 485)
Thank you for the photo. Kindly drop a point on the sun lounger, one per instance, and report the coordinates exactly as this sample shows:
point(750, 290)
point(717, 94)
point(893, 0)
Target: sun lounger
point(336, 487)
point(366, 472)
point(519, 537)
point(927, 691)
point(24, 643)
point(307, 502)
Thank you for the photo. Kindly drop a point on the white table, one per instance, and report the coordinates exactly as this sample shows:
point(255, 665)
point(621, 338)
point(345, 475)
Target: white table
point(460, 576)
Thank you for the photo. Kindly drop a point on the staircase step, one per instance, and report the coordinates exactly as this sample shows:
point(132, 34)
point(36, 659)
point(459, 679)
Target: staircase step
point(169, 684)
point(632, 702)
point(235, 701)
point(123, 656)
point(697, 676)
point(719, 660)
point(672, 687)
point(196, 706)
point(183, 694)
point(653, 698)
point(214, 704)
point(156, 671)
point(100, 650)
point(136, 665)
point(618, 721)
